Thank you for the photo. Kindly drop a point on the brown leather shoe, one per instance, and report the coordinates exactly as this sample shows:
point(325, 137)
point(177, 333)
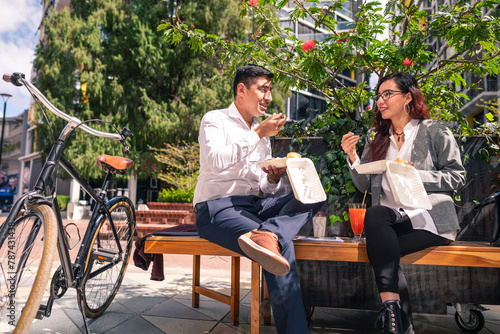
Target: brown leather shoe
point(263, 248)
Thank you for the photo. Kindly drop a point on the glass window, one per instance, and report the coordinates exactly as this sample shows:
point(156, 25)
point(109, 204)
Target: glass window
point(304, 30)
point(300, 105)
point(491, 83)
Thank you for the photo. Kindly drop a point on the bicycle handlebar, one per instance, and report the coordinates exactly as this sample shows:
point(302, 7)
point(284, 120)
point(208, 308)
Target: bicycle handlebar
point(18, 79)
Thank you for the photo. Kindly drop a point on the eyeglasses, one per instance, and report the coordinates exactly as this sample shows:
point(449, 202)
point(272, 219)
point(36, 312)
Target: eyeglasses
point(386, 95)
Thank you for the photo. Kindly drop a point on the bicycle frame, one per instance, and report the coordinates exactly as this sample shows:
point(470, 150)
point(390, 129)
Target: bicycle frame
point(44, 191)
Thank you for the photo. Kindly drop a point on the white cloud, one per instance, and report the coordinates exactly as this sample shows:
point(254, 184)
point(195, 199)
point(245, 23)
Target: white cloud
point(19, 12)
point(19, 22)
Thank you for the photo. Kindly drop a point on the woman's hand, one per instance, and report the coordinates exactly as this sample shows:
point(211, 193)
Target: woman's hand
point(349, 141)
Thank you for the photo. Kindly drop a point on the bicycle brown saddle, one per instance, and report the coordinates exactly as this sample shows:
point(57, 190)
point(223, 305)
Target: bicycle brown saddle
point(111, 163)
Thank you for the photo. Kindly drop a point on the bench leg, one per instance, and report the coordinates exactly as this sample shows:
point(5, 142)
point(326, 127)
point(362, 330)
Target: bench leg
point(235, 290)
point(265, 306)
point(196, 280)
point(255, 299)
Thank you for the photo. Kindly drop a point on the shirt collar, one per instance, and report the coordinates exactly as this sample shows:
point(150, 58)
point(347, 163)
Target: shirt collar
point(410, 126)
point(234, 113)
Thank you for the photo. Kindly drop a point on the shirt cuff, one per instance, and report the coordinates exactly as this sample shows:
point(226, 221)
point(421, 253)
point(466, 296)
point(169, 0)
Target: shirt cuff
point(355, 163)
point(253, 138)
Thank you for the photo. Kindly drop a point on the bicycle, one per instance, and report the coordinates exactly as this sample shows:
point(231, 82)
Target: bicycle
point(34, 227)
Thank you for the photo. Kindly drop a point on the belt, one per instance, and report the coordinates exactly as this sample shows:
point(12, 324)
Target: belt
point(199, 206)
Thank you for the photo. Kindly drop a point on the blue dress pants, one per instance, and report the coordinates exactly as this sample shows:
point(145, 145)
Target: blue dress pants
point(224, 220)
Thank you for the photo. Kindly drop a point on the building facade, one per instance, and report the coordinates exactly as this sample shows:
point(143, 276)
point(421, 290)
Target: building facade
point(302, 102)
point(486, 88)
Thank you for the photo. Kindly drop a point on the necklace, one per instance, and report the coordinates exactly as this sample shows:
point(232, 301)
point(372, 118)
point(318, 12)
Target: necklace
point(398, 134)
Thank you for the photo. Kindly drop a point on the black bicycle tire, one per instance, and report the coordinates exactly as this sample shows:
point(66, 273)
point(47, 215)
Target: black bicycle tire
point(44, 270)
point(113, 205)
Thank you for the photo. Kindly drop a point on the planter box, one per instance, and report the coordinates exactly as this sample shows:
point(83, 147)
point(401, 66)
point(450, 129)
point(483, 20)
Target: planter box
point(161, 215)
point(170, 206)
point(482, 180)
point(352, 285)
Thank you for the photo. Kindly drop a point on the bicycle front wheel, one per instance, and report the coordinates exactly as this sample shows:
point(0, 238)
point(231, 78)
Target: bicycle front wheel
point(108, 258)
point(26, 255)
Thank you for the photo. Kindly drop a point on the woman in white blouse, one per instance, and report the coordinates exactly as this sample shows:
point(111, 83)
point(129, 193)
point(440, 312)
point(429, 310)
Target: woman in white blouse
point(402, 130)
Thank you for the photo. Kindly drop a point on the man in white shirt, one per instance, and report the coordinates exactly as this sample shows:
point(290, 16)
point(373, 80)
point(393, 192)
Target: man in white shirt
point(230, 211)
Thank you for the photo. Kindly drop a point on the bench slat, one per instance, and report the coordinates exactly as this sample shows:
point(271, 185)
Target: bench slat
point(460, 253)
point(184, 245)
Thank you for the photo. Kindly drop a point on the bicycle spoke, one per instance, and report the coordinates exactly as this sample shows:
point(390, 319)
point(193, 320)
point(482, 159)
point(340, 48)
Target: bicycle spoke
point(110, 257)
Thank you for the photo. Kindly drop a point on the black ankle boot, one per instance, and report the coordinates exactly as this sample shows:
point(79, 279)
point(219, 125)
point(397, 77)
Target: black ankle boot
point(392, 319)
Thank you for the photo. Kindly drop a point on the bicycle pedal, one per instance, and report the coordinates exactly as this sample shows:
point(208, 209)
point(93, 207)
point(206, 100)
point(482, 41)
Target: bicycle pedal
point(105, 255)
point(40, 314)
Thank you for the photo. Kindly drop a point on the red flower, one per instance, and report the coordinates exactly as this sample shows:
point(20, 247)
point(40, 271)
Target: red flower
point(342, 40)
point(192, 26)
point(368, 108)
point(254, 2)
point(408, 62)
point(308, 45)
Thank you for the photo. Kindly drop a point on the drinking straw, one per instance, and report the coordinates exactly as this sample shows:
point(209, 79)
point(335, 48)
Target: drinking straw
point(364, 198)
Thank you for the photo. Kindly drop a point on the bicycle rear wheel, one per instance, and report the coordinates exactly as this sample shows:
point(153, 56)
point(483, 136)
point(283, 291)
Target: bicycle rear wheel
point(106, 263)
point(26, 255)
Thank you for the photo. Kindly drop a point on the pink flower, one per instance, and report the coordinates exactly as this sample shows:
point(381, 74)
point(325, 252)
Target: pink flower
point(254, 2)
point(192, 26)
point(408, 62)
point(308, 45)
point(368, 108)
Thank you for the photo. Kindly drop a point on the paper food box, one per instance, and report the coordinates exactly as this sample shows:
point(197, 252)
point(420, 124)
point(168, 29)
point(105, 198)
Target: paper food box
point(305, 181)
point(404, 181)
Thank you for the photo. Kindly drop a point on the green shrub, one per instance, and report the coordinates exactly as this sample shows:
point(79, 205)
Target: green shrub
point(176, 195)
point(63, 202)
point(179, 165)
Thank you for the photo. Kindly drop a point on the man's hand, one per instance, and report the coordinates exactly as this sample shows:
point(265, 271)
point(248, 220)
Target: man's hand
point(270, 126)
point(274, 174)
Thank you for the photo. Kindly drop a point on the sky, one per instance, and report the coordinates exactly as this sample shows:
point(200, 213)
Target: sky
point(19, 23)
point(19, 34)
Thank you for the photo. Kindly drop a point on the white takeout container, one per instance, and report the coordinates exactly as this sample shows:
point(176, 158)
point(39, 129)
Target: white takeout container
point(406, 186)
point(305, 181)
point(375, 167)
point(278, 163)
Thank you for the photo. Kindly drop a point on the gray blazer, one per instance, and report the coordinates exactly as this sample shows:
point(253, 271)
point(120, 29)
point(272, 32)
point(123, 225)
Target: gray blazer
point(436, 156)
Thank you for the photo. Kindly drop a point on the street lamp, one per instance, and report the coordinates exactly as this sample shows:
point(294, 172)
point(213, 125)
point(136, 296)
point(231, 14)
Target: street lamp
point(5, 97)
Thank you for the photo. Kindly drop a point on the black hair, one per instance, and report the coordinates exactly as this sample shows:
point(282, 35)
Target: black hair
point(247, 74)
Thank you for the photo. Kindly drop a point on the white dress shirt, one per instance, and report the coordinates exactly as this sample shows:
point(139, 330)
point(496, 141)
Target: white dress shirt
point(229, 151)
point(420, 218)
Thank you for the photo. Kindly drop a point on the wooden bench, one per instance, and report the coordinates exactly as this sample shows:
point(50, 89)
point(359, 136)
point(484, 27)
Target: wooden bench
point(467, 254)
